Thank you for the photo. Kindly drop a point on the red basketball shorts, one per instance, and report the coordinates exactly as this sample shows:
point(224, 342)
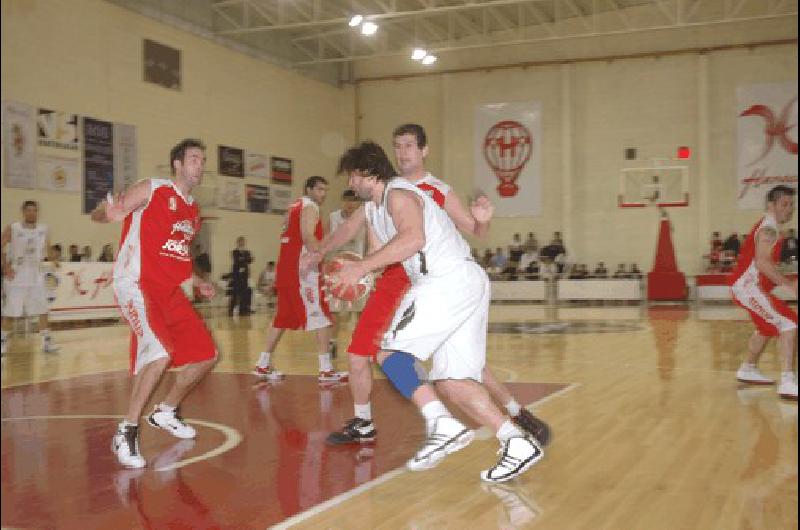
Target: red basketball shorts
point(379, 311)
point(302, 307)
point(163, 323)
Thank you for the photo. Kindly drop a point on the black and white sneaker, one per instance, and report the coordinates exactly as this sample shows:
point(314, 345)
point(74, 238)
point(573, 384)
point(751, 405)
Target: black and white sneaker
point(125, 445)
point(355, 431)
point(534, 426)
point(517, 455)
point(447, 436)
point(171, 422)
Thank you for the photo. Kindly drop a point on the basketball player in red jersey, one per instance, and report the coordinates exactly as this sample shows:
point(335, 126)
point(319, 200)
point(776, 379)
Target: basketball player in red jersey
point(160, 220)
point(411, 149)
point(755, 276)
point(301, 304)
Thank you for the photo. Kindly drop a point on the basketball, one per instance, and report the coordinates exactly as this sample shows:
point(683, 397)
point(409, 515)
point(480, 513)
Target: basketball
point(349, 293)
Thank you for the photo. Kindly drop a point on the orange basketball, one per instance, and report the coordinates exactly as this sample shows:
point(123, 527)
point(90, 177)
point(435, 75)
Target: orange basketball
point(349, 293)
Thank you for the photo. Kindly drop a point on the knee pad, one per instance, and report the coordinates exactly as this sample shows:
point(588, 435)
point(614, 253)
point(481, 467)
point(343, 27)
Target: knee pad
point(401, 369)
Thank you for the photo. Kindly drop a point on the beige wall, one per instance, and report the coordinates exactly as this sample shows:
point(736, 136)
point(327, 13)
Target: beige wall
point(84, 57)
point(592, 111)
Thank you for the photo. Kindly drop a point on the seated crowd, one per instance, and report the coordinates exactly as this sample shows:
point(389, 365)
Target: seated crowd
point(722, 254)
point(77, 255)
point(525, 260)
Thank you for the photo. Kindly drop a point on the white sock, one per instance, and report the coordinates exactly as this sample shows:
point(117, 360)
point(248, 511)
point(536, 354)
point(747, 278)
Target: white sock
point(325, 364)
point(363, 411)
point(513, 407)
point(433, 410)
point(165, 408)
point(787, 375)
point(126, 423)
point(508, 430)
point(263, 361)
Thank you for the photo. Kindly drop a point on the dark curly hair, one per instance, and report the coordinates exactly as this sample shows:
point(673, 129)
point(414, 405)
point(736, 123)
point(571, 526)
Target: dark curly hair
point(369, 158)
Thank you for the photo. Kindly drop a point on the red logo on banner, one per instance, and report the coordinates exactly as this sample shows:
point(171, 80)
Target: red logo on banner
point(774, 128)
point(507, 148)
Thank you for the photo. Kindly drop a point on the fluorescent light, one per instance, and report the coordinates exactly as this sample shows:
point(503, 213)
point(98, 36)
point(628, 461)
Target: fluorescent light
point(369, 28)
point(429, 59)
point(355, 21)
point(418, 54)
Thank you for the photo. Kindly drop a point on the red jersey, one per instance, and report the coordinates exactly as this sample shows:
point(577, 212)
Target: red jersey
point(746, 264)
point(287, 271)
point(156, 238)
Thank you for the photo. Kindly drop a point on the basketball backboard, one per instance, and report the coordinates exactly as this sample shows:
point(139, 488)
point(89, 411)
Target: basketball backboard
point(655, 183)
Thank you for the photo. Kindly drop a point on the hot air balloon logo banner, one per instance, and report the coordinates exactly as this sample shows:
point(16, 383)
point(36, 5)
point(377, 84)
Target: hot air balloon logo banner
point(508, 153)
point(767, 141)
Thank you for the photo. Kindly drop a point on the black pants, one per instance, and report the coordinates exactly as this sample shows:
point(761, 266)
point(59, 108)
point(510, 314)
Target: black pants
point(241, 295)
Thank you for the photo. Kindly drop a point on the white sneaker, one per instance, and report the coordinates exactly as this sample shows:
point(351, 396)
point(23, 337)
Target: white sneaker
point(517, 454)
point(749, 373)
point(332, 376)
point(125, 445)
point(788, 387)
point(447, 436)
point(268, 373)
point(171, 422)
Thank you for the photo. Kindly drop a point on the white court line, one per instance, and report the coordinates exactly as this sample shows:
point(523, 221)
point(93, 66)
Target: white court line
point(232, 436)
point(62, 378)
point(339, 499)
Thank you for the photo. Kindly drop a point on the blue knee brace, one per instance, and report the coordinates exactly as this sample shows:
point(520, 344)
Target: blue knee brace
point(400, 368)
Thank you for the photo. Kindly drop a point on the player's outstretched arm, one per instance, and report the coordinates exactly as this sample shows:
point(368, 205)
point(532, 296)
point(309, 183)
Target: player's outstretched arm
point(472, 222)
point(765, 239)
point(118, 207)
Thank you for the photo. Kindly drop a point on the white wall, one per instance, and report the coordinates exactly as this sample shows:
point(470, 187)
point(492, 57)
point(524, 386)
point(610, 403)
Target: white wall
point(85, 57)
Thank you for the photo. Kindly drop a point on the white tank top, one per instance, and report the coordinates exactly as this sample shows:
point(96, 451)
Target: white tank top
point(444, 248)
point(26, 251)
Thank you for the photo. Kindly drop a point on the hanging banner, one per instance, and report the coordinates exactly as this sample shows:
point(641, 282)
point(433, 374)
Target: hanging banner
point(257, 198)
point(19, 145)
point(58, 130)
point(280, 199)
point(58, 173)
point(231, 194)
point(256, 166)
point(230, 161)
point(281, 170)
point(767, 141)
point(508, 154)
point(126, 165)
point(98, 162)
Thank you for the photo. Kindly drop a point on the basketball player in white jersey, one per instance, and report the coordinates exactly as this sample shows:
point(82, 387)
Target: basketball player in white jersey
point(25, 245)
point(443, 316)
point(411, 149)
point(755, 276)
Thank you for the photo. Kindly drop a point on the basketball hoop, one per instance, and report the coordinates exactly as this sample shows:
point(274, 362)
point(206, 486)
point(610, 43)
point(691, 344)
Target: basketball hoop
point(507, 148)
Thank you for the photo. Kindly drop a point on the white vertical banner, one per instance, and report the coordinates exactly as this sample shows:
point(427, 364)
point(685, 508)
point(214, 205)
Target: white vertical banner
point(508, 156)
point(19, 145)
point(126, 164)
point(767, 141)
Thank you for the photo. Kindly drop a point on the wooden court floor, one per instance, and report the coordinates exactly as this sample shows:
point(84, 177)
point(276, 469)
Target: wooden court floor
point(652, 431)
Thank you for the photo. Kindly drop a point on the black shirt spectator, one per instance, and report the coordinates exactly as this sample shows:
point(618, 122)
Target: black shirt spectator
point(74, 254)
point(107, 254)
point(241, 293)
point(620, 272)
point(202, 263)
point(732, 244)
point(601, 271)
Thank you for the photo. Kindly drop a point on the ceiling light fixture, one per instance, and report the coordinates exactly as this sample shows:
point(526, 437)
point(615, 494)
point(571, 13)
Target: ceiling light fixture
point(369, 28)
point(418, 54)
point(429, 59)
point(355, 20)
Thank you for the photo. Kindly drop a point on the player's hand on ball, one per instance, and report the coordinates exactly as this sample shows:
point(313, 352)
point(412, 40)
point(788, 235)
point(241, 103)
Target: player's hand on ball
point(349, 274)
point(482, 209)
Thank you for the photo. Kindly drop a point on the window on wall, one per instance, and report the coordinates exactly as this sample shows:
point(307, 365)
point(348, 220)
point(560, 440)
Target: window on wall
point(162, 65)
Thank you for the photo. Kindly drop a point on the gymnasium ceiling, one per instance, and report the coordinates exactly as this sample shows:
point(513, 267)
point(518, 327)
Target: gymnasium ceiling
point(313, 36)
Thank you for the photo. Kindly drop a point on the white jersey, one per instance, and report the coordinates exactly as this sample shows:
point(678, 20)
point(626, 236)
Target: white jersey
point(357, 244)
point(26, 251)
point(444, 248)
